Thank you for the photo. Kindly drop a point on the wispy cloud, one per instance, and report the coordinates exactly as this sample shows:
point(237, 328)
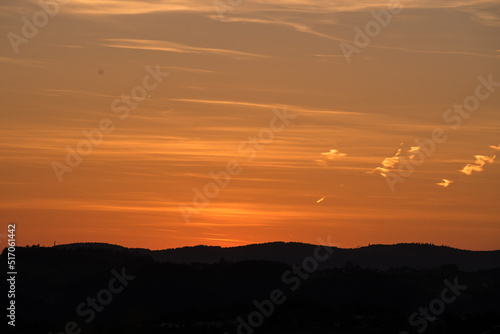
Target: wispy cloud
point(497, 148)
point(330, 155)
point(483, 14)
point(295, 108)
point(188, 69)
point(300, 27)
point(22, 62)
point(388, 164)
point(391, 163)
point(167, 46)
point(131, 7)
point(333, 154)
point(383, 171)
point(321, 162)
point(477, 166)
point(412, 151)
point(445, 183)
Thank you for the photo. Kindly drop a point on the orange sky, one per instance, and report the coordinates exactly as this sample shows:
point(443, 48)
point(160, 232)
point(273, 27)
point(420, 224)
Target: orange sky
point(228, 77)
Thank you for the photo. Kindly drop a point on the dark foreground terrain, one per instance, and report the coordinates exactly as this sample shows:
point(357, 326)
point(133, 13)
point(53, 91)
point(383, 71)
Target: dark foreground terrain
point(97, 288)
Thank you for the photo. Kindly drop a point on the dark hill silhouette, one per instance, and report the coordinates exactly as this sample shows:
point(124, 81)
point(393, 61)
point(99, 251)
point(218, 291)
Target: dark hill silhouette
point(168, 297)
point(373, 256)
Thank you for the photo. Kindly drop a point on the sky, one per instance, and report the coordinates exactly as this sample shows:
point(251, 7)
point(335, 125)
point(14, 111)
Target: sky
point(162, 124)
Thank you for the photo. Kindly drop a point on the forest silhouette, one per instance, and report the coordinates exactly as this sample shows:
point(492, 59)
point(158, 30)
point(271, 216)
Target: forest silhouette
point(209, 288)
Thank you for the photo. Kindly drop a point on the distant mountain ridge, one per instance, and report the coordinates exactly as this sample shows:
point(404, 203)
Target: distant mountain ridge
point(413, 255)
point(164, 295)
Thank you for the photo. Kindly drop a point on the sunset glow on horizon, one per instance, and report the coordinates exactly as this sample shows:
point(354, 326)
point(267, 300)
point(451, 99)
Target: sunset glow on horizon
point(160, 124)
